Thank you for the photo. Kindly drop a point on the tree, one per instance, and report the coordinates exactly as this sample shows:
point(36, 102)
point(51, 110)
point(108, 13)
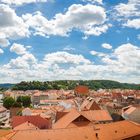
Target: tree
point(19, 99)
point(24, 100)
point(17, 104)
point(8, 102)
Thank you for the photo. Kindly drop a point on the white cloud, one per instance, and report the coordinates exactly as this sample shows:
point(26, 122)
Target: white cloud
point(4, 42)
point(11, 25)
point(98, 30)
point(58, 65)
point(68, 48)
point(18, 49)
point(22, 62)
point(1, 51)
point(28, 47)
point(64, 58)
point(126, 56)
point(62, 24)
point(94, 1)
point(128, 13)
point(21, 2)
point(129, 9)
point(123, 65)
point(138, 36)
point(106, 46)
point(100, 54)
point(135, 23)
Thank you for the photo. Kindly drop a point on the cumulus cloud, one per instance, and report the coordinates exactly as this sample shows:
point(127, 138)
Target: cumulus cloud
point(122, 64)
point(94, 1)
point(127, 57)
point(21, 62)
point(4, 42)
point(106, 46)
point(65, 58)
point(11, 25)
point(58, 65)
point(130, 9)
point(129, 13)
point(21, 2)
point(68, 48)
point(18, 49)
point(62, 24)
point(1, 51)
point(135, 23)
point(98, 30)
point(100, 54)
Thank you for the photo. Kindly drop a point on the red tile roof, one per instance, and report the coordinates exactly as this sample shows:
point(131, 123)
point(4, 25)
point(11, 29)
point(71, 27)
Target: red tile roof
point(35, 120)
point(92, 115)
point(90, 104)
point(112, 131)
point(81, 89)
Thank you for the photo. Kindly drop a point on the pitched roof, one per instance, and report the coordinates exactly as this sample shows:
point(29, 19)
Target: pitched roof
point(132, 113)
point(97, 115)
point(89, 104)
point(38, 121)
point(4, 132)
point(60, 115)
point(111, 131)
point(64, 121)
point(130, 110)
point(81, 89)
point(92, 115)
point(26, 126)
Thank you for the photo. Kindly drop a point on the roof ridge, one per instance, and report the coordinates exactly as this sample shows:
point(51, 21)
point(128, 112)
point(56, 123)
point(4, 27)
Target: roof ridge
point(15, 132)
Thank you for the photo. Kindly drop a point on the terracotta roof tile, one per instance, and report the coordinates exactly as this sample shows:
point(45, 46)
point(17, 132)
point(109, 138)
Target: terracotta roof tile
point(92, 115)
point(81, 89)
point(35, 120)
point(111, 131)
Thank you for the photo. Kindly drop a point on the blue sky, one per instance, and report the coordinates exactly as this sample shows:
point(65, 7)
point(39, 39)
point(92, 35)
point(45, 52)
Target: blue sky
point(63, 39)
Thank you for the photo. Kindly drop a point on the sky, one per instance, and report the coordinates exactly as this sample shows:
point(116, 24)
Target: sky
point(49, 40)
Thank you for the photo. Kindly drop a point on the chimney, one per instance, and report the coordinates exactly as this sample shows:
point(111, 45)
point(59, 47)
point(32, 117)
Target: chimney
point(96, 135)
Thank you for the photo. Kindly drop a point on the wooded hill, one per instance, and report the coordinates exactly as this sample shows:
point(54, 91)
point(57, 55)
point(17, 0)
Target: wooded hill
point(71, 84)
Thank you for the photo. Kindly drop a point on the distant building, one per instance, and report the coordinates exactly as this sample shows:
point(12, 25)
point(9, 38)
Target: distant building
point(26, 112)
point(3, 114)
point(36, 98)
point(113, 108)
point(81, 91)
point(36, 121)
point(131, 113)
point(76, 118)
point(89, 104)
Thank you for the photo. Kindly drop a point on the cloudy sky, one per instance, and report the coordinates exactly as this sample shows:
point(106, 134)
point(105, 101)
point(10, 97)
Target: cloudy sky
point(69, 39)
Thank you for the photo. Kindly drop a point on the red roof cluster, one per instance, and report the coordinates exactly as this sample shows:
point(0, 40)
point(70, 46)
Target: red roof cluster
point(81, 89)
point(38, 121)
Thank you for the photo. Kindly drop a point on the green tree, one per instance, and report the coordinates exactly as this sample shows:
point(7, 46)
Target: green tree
point(8, 102)
point(19, 99)
point(24, 100)
point(17, 104)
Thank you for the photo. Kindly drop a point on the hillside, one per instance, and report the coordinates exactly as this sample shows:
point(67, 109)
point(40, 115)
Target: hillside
point(7, 85)
point(71, 84)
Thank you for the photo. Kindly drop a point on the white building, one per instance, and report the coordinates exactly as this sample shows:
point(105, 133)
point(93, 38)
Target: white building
point(3, 114)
